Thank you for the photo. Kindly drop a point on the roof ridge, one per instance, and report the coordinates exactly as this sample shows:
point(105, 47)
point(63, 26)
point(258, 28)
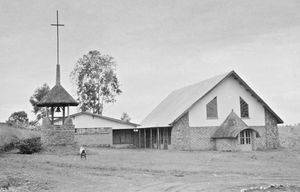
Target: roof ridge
point(102, 116)
point(205, 80)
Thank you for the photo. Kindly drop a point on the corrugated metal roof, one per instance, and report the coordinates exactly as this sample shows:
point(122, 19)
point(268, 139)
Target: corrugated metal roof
point(178, 101)
point(176, 104)
point(101, 117)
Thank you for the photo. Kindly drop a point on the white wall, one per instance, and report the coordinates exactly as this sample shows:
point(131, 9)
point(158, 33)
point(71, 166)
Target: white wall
point(228, 97)
point(87, 121)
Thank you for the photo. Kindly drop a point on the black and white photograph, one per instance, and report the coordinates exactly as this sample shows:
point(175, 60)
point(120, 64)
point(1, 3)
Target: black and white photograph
point(150, 96)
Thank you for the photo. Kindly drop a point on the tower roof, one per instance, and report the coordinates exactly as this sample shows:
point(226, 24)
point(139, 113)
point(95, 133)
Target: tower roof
point(57, 96)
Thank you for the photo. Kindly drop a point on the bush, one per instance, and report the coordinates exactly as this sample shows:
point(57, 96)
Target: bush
point(29, 146)
point(8, 143)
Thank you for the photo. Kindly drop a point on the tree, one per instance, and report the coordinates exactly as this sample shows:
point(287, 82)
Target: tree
point(96, 81)
point(125, 117)
point(18, 118)
point(37, 96)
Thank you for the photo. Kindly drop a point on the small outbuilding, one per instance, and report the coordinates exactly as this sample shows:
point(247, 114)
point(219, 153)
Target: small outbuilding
point(98, 130)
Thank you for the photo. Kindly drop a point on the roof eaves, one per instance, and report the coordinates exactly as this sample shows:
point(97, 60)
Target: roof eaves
point(279, 120)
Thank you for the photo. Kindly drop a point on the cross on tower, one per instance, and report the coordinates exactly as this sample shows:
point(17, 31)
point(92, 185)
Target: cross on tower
point(57, 25)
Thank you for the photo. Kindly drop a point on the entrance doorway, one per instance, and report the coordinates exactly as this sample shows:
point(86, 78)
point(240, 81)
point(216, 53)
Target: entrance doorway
point(246, 140)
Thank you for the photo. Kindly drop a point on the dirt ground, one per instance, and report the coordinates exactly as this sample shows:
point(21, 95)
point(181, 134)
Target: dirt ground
point(148, 170)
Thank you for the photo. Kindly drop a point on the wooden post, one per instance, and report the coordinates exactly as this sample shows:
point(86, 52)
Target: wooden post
point(68, 110)
point(52, 115)
point(163, 137)
point(139, 138)
point(63, 119)
point(157, 140)
point(168, 137)
point(150, 138)
point(145, 138)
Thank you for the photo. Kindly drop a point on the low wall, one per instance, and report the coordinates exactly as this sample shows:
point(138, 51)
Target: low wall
point(103, 137)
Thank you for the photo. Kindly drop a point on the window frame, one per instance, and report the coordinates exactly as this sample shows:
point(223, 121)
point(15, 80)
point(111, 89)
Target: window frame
point(216, 108)
point(245, 137)
point(243, 104)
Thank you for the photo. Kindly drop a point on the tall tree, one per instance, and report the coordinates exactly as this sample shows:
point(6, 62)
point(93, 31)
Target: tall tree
point(96, 81)
point(37, 96)
point(18, 118)
point(125, 117)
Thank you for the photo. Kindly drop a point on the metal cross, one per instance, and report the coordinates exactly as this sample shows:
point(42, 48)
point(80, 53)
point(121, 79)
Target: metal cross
point(57, 25)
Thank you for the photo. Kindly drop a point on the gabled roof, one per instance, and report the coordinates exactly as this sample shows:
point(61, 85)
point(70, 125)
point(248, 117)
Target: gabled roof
point(57, 96)
point(101, 117)
point(178, 103)
point(231, 127)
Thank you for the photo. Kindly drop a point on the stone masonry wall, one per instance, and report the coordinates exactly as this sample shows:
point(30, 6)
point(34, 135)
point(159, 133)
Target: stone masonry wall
point(180, 135)
point(272, 136)
point(57, 134)
point(259, 141)
point(201, 138)
point(226, 145)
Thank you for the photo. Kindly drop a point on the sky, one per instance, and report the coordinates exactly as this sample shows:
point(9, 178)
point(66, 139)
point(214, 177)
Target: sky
point(158, 46)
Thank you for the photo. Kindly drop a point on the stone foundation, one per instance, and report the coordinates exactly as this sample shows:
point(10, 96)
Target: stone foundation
point(57, 134)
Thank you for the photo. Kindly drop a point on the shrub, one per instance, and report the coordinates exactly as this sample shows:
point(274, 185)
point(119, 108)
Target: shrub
point(29, 146)
point(8, 143)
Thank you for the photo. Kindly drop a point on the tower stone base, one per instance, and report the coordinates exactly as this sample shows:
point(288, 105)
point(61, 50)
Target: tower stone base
point(57, 134)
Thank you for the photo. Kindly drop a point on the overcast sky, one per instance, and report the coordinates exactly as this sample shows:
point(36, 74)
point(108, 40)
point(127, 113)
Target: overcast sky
point(159, 46)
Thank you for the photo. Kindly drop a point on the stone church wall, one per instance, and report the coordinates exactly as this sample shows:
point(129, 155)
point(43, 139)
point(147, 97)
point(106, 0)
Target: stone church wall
point(180, 135)
point(272, 135)
point(201, 138)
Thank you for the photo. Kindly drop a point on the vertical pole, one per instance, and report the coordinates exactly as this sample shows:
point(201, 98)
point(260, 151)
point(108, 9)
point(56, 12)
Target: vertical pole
point(63, 119)
point(139, 138)
point(145, 139)
point(52, 115)
point(150, 138)
point(163, 137)
point(157, 140)
point(168, 137)
point(68, 110)
point(57, 38)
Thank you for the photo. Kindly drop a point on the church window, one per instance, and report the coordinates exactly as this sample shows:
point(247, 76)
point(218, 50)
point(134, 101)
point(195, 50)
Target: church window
point(212, 109)
point(244, 108)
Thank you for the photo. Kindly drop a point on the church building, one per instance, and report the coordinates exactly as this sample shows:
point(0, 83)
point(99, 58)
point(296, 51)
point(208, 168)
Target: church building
point(220, 113)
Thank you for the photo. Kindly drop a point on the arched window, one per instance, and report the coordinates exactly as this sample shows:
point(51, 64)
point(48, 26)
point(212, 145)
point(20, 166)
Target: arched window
point(212, 109)
point(244, 108)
